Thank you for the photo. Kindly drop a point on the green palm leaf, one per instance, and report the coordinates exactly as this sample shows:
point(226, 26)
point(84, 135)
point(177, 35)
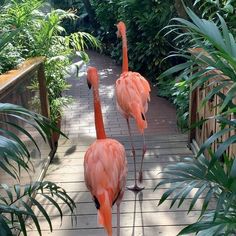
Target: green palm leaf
point(19, 204)
point(11, 146)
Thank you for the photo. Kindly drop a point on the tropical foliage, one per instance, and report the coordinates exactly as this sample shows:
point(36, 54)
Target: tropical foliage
point(148, 45)
point(225, 8)
point(16, 201)
point(149, 17)
point(40, 33)
point(213, 59)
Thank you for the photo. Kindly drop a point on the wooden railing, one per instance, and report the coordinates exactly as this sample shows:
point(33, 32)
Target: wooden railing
point(198, 113)
point(14, 88)
point(26, 71)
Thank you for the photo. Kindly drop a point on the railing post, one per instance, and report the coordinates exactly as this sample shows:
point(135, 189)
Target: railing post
point(192, 114)
point(43, 95)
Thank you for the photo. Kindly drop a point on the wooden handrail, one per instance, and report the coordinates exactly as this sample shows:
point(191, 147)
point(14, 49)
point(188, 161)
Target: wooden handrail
point(11, 77)
point(26, 69)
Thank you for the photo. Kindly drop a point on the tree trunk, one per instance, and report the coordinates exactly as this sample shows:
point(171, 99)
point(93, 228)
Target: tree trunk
point(180, 8)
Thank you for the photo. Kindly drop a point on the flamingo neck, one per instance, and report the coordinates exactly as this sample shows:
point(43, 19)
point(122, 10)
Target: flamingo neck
point(125, 66)
point(99, 125)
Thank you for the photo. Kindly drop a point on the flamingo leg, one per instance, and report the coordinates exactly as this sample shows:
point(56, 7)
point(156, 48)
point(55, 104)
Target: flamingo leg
point(141, 167)
point(134, 188)
point(118, 219)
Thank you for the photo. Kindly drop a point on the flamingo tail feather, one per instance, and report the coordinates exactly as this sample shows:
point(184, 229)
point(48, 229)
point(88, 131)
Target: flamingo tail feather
point(104, 212)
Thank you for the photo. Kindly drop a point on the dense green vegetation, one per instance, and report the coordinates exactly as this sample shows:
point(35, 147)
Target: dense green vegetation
point(144, 20)
point(209, 176)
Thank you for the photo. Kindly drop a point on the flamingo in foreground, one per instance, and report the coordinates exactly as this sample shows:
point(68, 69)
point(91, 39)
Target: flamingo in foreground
point(132, 96)
point(105, 165)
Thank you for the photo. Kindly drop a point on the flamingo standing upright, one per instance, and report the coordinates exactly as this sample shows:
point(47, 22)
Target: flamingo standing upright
point(132, 96)
point(105, 165)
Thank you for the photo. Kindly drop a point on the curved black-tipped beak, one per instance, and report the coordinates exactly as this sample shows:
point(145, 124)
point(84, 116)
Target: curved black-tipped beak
point(89, 85)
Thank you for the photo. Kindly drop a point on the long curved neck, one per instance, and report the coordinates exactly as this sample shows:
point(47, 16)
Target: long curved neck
point(99, 125)
point(125, 66)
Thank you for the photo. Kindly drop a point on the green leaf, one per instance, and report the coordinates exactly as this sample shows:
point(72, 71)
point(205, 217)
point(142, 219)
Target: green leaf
point(23, 131)
point(54, 203)
point(210, 140)
point(224, 146)
point(175, 69)
point(212, 93)
point(167, 193)
point(8, 191)
point(198, 226)
point(207, 199)
point(233, 169)
point(200, 190)
point(4, 228)
point(33, 216)
point(7, 170)
point(43, 211)
point(22, 224)
point(189, 187)
point(17, 189)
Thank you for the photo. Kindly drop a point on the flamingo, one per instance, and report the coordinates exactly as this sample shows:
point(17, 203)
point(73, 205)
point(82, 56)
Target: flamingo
point(105, 165)
point(132, 96)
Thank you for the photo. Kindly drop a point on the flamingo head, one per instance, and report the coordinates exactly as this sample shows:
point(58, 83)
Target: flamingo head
point(121, 29)
point(92, 77)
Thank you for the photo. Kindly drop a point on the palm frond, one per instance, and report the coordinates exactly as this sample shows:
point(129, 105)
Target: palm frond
point(21, 199)
point(12, 148)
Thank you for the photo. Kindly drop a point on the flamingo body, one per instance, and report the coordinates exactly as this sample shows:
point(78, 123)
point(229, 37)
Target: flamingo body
point(105, 165)
point(132, 96)
point(105, 176)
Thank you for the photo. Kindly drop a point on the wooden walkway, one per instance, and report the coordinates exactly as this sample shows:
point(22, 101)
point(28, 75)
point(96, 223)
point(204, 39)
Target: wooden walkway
point(139, 212)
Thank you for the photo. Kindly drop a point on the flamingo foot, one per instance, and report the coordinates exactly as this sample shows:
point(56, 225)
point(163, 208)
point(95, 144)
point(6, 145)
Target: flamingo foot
point(135, 188)
point(140, 177)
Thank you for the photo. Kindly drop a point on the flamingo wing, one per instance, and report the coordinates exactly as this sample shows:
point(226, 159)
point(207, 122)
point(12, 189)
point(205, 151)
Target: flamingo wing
point(132, 95)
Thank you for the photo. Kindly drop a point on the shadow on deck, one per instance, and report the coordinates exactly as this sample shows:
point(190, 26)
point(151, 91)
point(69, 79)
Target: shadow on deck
point(139, 213)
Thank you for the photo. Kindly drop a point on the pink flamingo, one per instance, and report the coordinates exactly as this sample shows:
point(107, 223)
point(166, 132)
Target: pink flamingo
point(132, 96)
point(105, 165)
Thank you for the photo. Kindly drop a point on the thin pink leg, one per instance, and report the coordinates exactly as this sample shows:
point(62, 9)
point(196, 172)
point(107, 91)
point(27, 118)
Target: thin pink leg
point(135, 188)
point(141, 167)
point(118, 219)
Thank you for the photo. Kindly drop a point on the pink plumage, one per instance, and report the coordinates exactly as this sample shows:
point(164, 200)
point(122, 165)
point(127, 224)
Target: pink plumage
point(105, 166)
point(132, 96)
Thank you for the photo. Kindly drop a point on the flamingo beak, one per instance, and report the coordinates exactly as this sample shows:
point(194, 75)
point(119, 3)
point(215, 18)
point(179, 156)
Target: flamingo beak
point(117, 32)
point(89, 84)
point(118, 35)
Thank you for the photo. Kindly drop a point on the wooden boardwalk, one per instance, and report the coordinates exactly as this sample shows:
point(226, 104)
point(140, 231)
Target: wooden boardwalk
point(140, 214)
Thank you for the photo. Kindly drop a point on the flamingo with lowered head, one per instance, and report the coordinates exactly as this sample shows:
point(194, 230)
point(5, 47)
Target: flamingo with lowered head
point(105, 165)
point(132, 96)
